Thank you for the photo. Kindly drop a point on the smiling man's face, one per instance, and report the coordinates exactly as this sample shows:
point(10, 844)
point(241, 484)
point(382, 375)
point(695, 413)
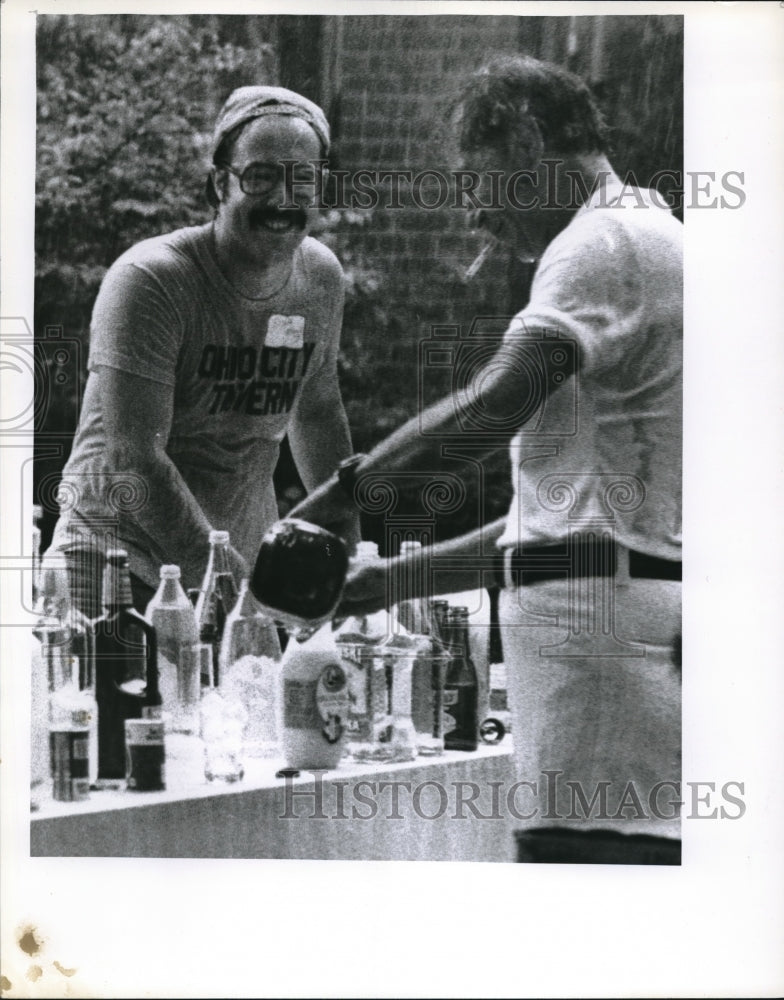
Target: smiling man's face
point(262, 229)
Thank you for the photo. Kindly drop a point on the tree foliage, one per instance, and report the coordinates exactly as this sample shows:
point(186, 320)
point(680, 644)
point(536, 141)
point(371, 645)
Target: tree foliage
point(125, 110)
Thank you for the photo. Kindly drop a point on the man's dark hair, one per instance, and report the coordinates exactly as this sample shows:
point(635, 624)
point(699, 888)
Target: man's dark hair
point(496, 99)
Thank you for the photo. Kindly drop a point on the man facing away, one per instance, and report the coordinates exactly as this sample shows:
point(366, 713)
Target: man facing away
point(586, 387)
point(209, 345)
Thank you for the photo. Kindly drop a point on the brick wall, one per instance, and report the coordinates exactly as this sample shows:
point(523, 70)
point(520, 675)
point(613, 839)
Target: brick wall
point(386, 82)
point(395, 80)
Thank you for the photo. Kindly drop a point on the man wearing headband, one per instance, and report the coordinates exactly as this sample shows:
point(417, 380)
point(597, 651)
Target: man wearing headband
point(208, 346)
point(586, 388)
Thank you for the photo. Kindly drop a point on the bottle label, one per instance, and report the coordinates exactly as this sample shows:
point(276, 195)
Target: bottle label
point(357, 686)
point(368, 697)
point(448, 723)
point(332, 701)
point(460, 722)
point(320, 704)
point(69, 764)
point(299, 704)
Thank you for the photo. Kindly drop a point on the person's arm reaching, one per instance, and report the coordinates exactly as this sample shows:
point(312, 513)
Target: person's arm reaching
point(448, 567)
point(500, 397)
point(137, 415)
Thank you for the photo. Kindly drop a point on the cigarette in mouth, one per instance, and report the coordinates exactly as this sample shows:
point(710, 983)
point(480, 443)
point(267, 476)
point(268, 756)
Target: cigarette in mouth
point(473, 269)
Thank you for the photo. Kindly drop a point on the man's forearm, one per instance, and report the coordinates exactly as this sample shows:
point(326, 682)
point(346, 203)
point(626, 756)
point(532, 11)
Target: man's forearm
point(459, 564)
point(488, 410)
point(416, 446)
point(172, 517)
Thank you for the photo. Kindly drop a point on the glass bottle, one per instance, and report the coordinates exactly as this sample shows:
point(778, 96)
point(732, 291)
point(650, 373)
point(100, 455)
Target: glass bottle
point(70, 716)
point(173, 617)
point(426, 679)
point(299, 574)
point(460, 685)
point(126, 668)
point(73, 636)
point(369, 715)
point(83, 647)
point(249, 671)
point(403, 740)
point(393, 737)
point(412, 612)
point(217, 597)
point(427, 691)
point(49, 645)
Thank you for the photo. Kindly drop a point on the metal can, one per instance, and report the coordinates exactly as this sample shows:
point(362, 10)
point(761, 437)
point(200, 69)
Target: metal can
point(69, 757)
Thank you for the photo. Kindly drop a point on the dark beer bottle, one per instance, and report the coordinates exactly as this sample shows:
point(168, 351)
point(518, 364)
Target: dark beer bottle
point(126, 669)
point(460, 685)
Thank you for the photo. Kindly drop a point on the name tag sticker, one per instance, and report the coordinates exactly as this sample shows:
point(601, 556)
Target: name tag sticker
point(285, 331)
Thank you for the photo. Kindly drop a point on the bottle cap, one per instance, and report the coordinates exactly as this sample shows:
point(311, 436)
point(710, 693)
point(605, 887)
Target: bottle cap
point(219, 537)
point(170, 572)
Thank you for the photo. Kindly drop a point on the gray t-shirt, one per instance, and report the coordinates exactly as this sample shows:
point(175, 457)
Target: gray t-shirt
point(237, 366)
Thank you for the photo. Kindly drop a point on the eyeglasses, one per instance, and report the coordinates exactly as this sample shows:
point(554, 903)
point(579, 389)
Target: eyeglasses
point(261, 178)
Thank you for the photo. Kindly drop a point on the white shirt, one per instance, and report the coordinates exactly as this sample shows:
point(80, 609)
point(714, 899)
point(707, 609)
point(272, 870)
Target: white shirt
point(605, 449)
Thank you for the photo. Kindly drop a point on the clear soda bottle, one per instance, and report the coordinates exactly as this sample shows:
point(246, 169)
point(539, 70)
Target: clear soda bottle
point(173, 617)
point(369, 716)
point(249, 671)
point(217, 597)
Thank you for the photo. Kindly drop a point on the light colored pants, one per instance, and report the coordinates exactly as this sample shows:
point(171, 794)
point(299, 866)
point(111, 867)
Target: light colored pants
point(595, 696)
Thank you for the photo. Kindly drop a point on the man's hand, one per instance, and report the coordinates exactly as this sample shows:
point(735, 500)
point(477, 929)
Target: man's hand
point(455, 565)
point(365, 590)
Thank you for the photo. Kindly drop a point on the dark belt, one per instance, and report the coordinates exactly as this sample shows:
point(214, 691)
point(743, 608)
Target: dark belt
point(582, 557)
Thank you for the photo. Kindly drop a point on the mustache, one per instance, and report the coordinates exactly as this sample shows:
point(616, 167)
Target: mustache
point(265, 213)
